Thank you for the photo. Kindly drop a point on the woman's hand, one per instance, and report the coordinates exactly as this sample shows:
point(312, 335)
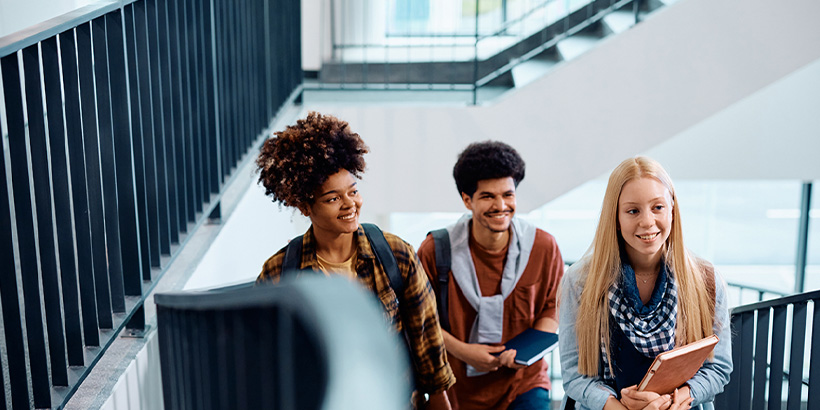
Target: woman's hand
point(633, 399)
point(681, 400)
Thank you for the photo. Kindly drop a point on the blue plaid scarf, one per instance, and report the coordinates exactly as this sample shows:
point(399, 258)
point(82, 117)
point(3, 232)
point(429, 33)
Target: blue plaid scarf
point(651, 331)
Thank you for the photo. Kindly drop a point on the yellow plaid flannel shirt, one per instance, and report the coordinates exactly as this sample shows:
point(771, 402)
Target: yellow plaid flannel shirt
point(420, 317)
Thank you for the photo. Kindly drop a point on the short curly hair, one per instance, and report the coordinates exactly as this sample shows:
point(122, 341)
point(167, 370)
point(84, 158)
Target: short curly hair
point(294, 163)
point(486, 160)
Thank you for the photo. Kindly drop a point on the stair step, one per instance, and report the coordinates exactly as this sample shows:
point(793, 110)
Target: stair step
point(576, 45)
point(619, 21)
point(531, 70)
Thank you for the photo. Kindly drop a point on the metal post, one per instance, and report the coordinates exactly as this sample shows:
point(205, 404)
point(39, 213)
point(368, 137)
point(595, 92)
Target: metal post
point(215, 217)
point(802, 239)
point(136, 327)
point(475, 60)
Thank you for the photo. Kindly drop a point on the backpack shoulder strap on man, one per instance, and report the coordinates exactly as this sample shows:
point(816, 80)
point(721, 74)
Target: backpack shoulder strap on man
point(384, 255)
point(441, 240)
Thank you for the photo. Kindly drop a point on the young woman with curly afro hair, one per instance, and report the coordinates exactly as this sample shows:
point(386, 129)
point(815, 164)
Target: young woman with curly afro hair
point(314, 166)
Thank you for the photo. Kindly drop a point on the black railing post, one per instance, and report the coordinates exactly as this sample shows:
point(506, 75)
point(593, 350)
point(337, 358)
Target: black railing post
point(475, 58)
point(136, 324)
point(803, 238)
point(24, 215)
point(215, 217)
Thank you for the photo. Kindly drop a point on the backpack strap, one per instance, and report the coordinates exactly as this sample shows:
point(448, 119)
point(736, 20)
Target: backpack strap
point(293, 256)
point(441, 240)
point(384, 255)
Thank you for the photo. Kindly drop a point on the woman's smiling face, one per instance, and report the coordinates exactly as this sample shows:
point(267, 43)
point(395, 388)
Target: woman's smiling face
point(644, 218)
point(336, 205)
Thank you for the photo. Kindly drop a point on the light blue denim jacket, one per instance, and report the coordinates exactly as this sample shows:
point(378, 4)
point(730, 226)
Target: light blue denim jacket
point(590, 393)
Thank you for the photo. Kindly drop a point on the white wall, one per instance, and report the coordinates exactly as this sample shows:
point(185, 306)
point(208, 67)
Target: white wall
point(688, 64)
point(315, 32)
point(16, 15)
point(772, 134)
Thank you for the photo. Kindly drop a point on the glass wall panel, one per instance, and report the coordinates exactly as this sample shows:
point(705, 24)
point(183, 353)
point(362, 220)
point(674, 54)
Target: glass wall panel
point(748, 229)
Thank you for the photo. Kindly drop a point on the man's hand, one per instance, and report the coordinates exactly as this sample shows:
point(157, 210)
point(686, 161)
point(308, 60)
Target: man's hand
point(508, 359)
point(481, 356)
point(477, 355)
point(633, 399)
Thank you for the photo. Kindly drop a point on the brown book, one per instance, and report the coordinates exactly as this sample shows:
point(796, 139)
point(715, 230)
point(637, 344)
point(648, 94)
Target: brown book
point(673, 368)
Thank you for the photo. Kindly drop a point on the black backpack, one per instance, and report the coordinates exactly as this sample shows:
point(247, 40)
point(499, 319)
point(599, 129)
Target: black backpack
point(441, 240)
point(291, 265)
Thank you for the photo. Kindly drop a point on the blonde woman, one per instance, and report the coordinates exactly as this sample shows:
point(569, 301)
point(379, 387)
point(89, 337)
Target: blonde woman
point(636, 293)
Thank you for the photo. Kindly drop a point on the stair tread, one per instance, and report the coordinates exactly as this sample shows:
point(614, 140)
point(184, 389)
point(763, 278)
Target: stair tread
point(576, 45)
point(619, 21)
point(531, 70)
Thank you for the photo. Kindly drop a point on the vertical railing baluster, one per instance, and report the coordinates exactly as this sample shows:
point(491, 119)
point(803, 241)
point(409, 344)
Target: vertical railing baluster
point(814, 360)
point(233, 58)
point(134, 78)
point(108, 166)
point(26, 241)
point(213, 90)
point(168, 111)
point(159, 127)
point(212, 124)
point(45, 224)
point(62, 199)
point(9, 293)
point(796, 355)
point(242, 49)
point(227, 90)
point(778, 354)
point(182, 175)
point(79, 191)
point(186, 114)
point(202, 110)
point(743, 369)
point(148, 130)
point(126, 202)
point(92, 172)
point(761, 359)
point(205, 96)
point(224, 357)
point(195, 101)
point(731, 392)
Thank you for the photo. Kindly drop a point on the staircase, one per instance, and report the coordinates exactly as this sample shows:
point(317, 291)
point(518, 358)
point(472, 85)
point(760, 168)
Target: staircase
point(526, 57)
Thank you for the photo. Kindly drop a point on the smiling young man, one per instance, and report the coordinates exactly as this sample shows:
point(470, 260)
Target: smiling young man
point(502, 279)
point(314, 166)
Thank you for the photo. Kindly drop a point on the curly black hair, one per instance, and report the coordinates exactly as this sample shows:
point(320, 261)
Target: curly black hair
point(486, 160)
point(294, 163)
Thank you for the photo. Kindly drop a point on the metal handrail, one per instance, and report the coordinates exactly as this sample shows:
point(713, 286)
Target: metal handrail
point(21, 39)
point(784, 301)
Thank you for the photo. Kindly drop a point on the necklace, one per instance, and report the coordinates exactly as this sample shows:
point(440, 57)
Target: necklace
point(645, 281)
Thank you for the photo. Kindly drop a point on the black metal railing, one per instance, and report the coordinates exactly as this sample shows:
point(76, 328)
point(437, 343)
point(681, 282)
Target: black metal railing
point(759, 353)
point(293, 345)
point(124, 122)
point(759, 291)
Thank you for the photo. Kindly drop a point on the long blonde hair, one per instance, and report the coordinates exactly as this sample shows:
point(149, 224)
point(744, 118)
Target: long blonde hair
point(695, 305)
